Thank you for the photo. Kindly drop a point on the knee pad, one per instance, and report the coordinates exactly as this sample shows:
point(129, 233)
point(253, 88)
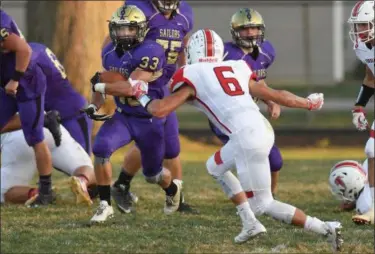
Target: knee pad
point(101, 148)
point(172, 147)
point(34, 137)
point(369, 149)
point(100, 160)
point(263, 203)
point(259, 201)
point(156, 178)
point(275, 158)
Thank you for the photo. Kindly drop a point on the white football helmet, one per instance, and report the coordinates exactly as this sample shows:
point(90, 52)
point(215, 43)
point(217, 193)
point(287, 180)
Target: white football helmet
point(362, 14)
point(204, 46)
point(347, 179)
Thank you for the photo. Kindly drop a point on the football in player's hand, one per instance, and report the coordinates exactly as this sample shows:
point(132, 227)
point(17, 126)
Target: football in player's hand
point(111, 77)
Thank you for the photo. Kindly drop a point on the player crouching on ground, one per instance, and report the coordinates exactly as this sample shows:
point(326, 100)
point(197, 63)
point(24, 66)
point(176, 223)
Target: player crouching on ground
point(18, 165)
point(348, 182)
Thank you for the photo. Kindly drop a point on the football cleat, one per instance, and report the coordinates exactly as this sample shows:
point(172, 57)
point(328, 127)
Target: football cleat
point(124, 199)
point(79, 189)
point(40, 199)
point(334, 235)
point(172, 202)
point(364, 219)
point(249, 231)
point(185, 207)
point(103, 212)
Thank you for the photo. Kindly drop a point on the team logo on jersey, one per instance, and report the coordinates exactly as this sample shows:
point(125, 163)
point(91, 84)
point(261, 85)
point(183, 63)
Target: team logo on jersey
point(340, 182)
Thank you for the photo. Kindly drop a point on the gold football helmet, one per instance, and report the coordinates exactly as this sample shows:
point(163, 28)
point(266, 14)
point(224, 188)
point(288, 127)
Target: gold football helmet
point(166, 6)
point(243, 19)
point(128, 27)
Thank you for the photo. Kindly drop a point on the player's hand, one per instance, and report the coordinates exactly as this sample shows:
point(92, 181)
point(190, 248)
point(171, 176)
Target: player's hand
point(359, 119)
point(11, 87)
point(315, 101)
point(91, 112)
point(52, 122)
point(274, 110)
point(139, 88)
point(94, 80)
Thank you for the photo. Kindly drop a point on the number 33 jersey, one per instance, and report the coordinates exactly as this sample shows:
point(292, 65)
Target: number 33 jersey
point(169, 33)
point(221, 91)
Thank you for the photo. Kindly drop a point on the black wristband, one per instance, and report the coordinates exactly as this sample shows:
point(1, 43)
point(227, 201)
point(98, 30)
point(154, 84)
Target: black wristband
point(364, 95)
point(17, 75)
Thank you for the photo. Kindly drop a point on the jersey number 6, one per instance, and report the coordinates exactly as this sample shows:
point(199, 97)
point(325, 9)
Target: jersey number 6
point(230, 85)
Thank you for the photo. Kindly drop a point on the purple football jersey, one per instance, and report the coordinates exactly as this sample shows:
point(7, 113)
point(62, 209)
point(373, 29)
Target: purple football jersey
point(148, 56)
point(169, 33)
point(260, 64)
point(60, 95)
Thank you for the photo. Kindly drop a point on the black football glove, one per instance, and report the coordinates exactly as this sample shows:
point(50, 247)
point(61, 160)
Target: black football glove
point(52, 122)
point(94, 80)
point(91, 113)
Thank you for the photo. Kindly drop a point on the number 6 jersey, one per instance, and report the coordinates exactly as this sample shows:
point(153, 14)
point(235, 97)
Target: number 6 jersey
point(221, 91)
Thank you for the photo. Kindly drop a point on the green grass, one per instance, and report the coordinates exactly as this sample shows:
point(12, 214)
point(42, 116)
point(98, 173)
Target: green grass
point(295, 119)
point(64, 228)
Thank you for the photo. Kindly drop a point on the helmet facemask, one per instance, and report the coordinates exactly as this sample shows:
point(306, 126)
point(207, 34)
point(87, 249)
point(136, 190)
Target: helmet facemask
point(247, 41)
point(127, 35)
point(166, 6)
point(357, 33)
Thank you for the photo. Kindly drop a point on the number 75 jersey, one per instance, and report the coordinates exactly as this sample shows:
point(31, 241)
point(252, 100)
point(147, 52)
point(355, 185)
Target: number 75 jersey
point(221, 91)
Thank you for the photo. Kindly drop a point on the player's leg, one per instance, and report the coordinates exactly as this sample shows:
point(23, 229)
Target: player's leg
point(254, 174)
point(172, 159)
point(17, 168)
point(113, 134)
point(30, 101)
point(368, 217)
point(80, 128)
point(120, 190)
point(8, 108)
point(276, 163)
point(72, 159)
point(150, 140)
point(219, 166)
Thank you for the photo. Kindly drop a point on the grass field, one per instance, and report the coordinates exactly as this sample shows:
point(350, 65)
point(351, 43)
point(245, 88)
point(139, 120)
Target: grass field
point(64, 228)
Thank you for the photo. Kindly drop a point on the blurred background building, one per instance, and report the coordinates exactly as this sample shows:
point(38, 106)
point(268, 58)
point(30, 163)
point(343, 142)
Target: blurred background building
point(313, 51)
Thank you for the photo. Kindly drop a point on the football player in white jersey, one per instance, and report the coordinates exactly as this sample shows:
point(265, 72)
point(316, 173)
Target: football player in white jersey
point(348, 182)
point(223, 91)
point(18, 165)
point(362, 31)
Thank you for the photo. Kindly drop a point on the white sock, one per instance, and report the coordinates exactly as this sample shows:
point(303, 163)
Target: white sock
point(315, 225)
point(372, 193)
point(246, 214)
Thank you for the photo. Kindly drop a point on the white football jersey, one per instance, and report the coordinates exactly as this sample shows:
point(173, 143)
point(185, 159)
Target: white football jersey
point(365, 54)
point(221, 92)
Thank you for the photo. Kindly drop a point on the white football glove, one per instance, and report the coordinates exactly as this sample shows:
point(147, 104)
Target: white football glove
point(359, 119)
point(316, 101)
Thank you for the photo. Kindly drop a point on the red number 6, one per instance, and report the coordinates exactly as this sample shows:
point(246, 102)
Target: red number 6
point(226, 81)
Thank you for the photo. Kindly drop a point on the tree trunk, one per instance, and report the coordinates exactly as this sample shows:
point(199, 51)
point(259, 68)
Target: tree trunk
point(75, 31)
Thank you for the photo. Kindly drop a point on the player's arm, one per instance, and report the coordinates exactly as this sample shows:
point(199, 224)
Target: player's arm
point(367, 89)
point(365, 93)
point(162, 107)
point(14, 43)
point(107, 40)
point(261, 90)
point(181, 56)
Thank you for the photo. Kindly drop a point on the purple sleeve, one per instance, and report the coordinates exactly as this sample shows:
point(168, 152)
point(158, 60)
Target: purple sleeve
point(149, 57)
point(268, 48)
point(186, 10)
point(5, 25)
point(231, 53)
